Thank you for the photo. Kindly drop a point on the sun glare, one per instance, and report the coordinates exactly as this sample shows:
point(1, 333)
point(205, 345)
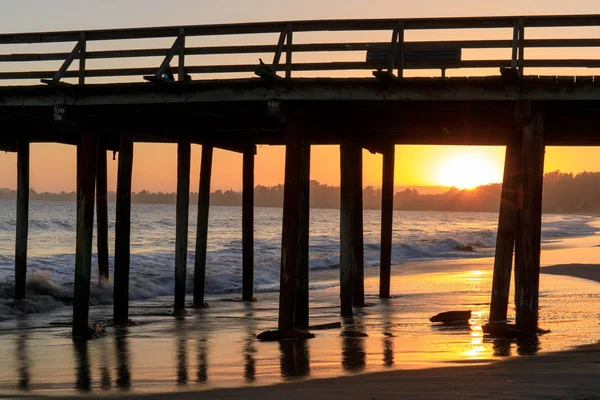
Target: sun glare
point(468, 171)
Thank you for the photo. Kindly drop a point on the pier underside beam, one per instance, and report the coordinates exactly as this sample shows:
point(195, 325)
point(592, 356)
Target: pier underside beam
point(22, 219)
point(527, 251)
point(510, 206)
point(291, 219)
point(387, 217)
point(181, 228)
point(202, 225)
point(351, 231)
point(102, 213)
point(301, 317)
point(123, 230)
point(248, 225)
point(87, 153)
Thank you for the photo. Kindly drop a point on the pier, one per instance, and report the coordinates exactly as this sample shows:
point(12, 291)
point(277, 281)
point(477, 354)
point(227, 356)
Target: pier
point(385, 96)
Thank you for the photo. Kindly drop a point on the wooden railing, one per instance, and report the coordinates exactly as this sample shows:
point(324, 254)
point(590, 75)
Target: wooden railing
point(393, 68)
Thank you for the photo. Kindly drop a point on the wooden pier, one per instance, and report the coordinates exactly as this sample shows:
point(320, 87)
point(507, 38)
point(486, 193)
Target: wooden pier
point(238, 106)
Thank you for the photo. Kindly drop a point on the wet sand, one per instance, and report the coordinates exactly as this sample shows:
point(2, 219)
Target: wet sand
point(567, 375)
point(213, 353)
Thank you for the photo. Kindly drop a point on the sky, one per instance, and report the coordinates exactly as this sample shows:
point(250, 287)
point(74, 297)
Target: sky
point(53, 165)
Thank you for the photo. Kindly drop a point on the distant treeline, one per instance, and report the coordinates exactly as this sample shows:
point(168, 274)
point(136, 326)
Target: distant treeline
point(563, 193)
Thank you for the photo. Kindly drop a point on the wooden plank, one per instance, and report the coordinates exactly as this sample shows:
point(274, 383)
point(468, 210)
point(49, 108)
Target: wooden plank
point(86, 176)
point(202, 225)
point(123, 230)
point(102, 213)
point(510, 206)
point(279, 48)
point(181, 220)
point(515, 45)
point(387, 220)
point(22, 219)
point(291, 217)
point(521, 58)
point(527, 250)
point(166, 62)
point(248, 225)
point(301, 315)
point(65, 66)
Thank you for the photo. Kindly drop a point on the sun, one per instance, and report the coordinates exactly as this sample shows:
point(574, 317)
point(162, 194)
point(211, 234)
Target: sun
point(468, 171)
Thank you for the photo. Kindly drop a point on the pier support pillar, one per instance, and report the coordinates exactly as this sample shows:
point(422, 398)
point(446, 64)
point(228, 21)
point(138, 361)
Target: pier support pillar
point(527, 252)
point(22, 219)
point(102, 214)
point(181, 229)
point(387, 219)
point(510, 206)
point(301, 317)
point(202, 225)
point(123, 230)
point(86, 177)
point(351, 231)
point(290, 229)
point(248, 225)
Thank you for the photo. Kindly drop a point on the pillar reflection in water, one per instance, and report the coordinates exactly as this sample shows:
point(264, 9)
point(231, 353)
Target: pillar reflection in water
point(122, 356)
point(23, 365)
point(182, 359)
point(354, 357)
point(82, 367)
point(249, 348)
point(528, 346)
point(502, 347)
point(105, 379)
point(388, 342)
point(294, 359)
point(202, 360)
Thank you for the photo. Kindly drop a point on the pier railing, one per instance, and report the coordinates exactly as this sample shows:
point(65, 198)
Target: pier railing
point(387, 59)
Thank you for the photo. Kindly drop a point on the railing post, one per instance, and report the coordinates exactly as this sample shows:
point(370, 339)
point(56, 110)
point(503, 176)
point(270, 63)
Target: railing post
point(82, 56)
point(288, 52)
point(397, 55)
point(521, 44)
point(181, 61)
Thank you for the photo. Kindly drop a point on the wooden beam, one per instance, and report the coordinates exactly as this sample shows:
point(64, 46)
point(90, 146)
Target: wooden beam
point(387, 220)
point(301, 315)
point(291, 217)
point(86, 174)
point(181, 54)
point(527, 251)
point(22, 219)
point(202, 225)
point(510, 206)
point(248, 225)
point(181, 227)
point(521, 60)
point(82, 57)
point(102, 213)
point(123, 230)
point(288, 52)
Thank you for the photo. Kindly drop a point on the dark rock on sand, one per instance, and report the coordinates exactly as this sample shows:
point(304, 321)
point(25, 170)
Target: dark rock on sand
point(452, 317)
point(462, 247)
point(274, 336)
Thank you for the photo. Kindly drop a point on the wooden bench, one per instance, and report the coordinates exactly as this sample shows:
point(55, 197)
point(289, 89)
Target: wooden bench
point(416, 59)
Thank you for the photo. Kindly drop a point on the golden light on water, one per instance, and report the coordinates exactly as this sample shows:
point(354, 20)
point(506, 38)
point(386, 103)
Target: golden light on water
point(468, 171)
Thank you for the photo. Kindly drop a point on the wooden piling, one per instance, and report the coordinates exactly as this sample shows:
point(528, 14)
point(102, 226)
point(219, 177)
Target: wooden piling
point(102, 213)
point(301, 316)
point(358, 271)
point(527, 254)
point(86, 167)
point(202, 225)
point(22, 219)
point(387, 219)
point(291, 216)
point(182, 214)
point(123, 230)
point(510, 205)
point(248, 225)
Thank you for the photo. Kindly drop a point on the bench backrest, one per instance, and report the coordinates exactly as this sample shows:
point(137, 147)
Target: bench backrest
point(419, 58)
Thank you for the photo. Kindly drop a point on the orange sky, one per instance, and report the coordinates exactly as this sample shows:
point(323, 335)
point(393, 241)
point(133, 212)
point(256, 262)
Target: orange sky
point(53, 166)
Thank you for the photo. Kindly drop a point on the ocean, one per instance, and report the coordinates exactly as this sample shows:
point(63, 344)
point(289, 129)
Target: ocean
point(429, 275)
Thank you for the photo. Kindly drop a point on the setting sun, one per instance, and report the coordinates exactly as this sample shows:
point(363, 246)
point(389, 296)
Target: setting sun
point(468, 171)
